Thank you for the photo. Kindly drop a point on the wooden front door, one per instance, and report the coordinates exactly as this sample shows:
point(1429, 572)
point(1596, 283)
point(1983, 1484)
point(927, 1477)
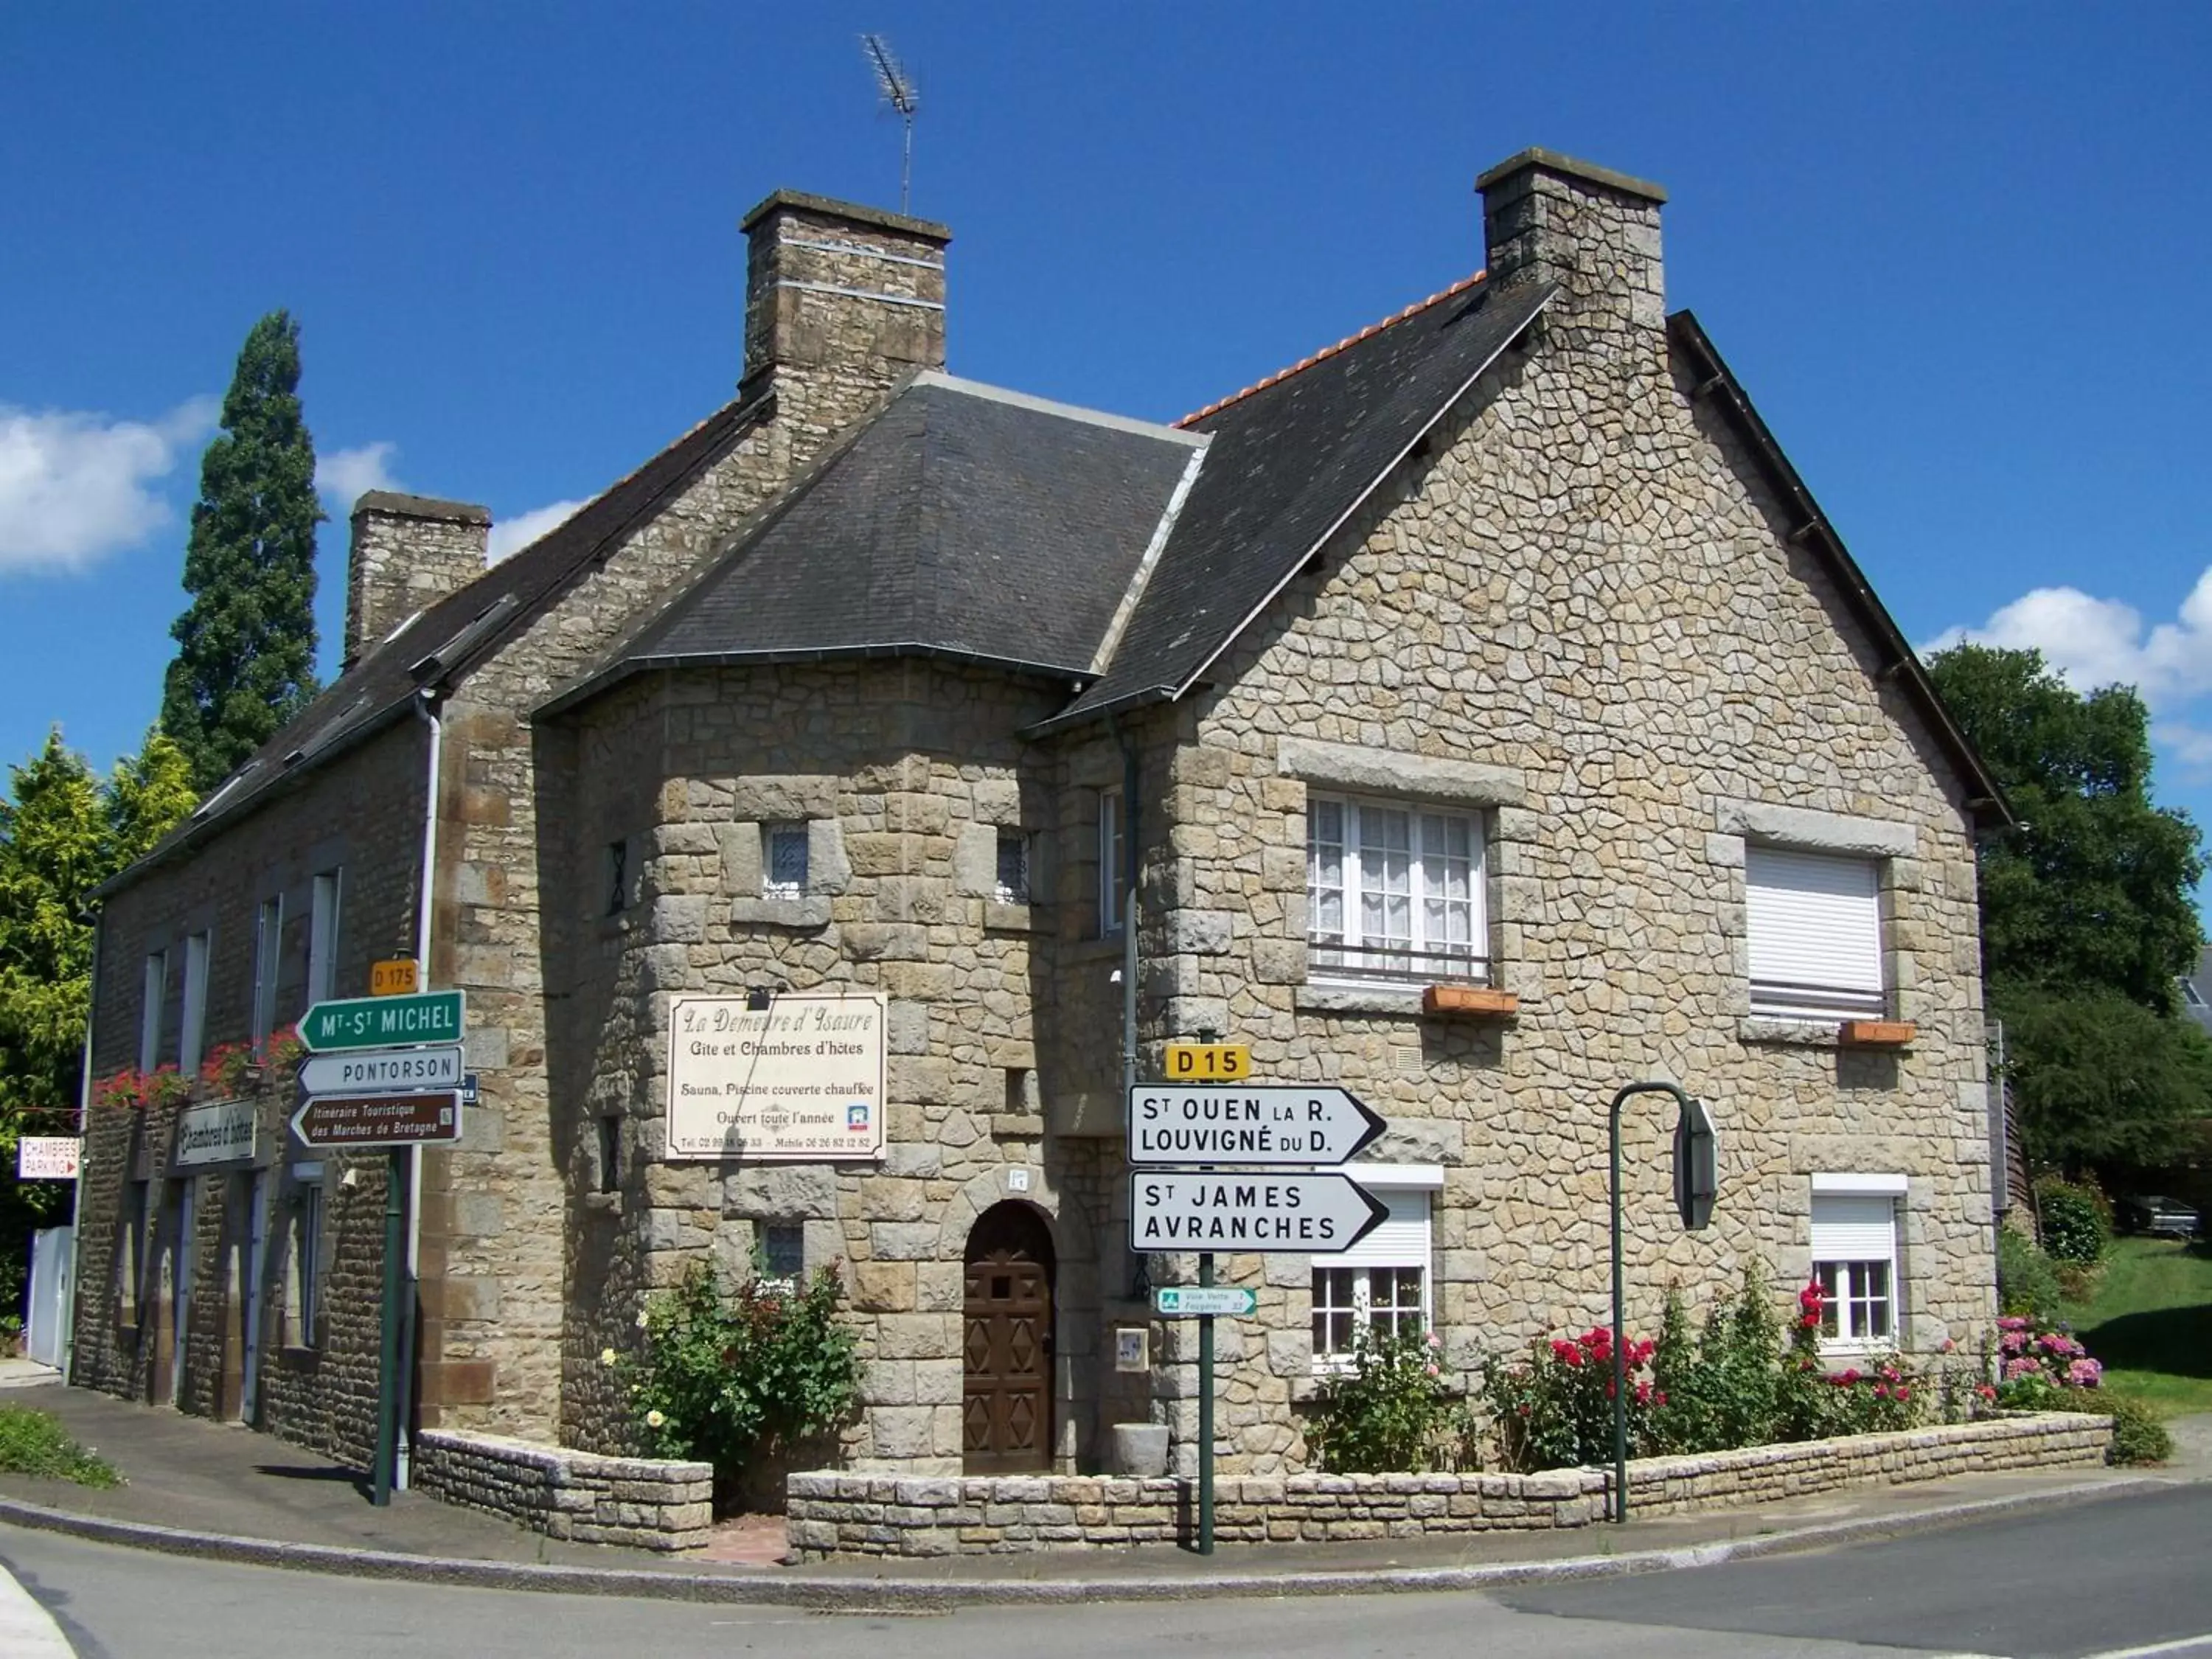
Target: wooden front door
point(1007, 1344)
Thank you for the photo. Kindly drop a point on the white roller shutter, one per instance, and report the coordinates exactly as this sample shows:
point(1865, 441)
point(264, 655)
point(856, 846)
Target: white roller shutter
point(1854, 1228)
point(1401, 1242)
point(1815, 931)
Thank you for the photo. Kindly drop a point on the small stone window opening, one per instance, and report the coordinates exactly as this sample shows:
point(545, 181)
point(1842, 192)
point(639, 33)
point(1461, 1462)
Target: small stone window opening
point(1013, 882)
point(611, 1153)
point(781, 1259)
point(303, 1288)
point(618, 877)
point(783, 871)
point(1113, 868)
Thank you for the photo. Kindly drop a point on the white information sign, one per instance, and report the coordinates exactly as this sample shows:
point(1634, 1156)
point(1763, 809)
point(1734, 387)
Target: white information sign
point(221, 1132)
point(382, 1070)
point(1248, 1123)
point(801, 1078)
point(47, 1158)
point(1320, 1213)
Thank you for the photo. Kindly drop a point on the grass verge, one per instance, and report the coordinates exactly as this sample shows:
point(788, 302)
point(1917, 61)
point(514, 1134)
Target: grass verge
point(2148, 1318)
point(32, 1442)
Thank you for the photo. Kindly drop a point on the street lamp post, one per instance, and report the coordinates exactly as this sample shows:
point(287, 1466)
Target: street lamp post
point(1619, 1334)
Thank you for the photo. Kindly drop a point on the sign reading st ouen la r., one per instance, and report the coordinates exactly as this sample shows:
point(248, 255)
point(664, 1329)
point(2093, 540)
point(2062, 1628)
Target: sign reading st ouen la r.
point(1247, 1123)
point(1317, 1213)
point(382, 1021)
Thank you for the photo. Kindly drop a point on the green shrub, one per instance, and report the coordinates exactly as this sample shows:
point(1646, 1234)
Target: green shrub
point(1719, 1390)
point(1390, 1413)
point(32, 1442)
point(2028, 1280)
point(2077, 1224)
point(740, 1377)
point(2138, 1436)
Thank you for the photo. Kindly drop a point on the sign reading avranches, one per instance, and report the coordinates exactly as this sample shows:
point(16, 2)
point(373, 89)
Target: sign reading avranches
point(802, 1077)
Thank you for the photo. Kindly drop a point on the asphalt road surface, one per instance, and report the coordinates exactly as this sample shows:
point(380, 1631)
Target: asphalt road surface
point(2124, 1576)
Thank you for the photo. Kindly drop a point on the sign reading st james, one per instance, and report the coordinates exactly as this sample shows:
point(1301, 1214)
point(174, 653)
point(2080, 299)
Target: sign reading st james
point(802, 1077)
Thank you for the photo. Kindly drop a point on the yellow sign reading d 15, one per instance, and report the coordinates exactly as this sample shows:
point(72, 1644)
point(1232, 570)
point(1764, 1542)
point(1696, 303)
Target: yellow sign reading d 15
point(1208, 1063)
point(394, 977)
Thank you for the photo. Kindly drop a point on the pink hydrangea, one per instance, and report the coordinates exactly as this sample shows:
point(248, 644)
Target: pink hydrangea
point(2085, 1373)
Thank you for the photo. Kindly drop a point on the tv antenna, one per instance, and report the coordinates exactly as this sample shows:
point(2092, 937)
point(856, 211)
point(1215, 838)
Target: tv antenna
point(899, 94)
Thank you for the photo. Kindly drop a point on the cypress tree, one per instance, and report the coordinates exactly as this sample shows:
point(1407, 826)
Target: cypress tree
point(245, 642)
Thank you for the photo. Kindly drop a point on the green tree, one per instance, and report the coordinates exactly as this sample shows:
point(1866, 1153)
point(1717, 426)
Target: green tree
point(2087, 916)
point(245, 642)
point(63, 832)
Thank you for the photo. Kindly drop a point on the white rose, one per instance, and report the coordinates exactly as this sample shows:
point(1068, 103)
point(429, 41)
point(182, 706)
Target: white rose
point(654, 1419)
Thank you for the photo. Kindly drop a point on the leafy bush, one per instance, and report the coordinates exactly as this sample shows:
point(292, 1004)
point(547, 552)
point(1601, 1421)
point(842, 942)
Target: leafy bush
point(2077, 1224)
point(1554, 1409)
point(733, 1378)
point(2138, 1436)
point(1717, 1390)
point(1390, 1413)
point(2027, 1282)
point(32, 1442)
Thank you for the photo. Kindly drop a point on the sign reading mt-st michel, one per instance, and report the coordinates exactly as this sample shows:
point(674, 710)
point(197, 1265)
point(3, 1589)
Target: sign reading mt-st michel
point(801, 1078)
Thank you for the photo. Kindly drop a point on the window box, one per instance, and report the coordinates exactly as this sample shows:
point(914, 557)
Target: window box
point(1875, 1033)
point(1479, 1001)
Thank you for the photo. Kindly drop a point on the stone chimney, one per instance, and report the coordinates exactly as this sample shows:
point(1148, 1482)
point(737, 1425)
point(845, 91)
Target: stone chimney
point(841, 303)
point(408, 552)
point(1549, 218)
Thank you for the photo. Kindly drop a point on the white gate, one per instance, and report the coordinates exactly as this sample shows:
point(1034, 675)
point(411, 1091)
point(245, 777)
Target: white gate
point(46, 1316)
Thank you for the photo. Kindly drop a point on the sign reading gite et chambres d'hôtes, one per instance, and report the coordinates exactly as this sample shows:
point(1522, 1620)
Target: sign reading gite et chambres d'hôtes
point(801, 1078)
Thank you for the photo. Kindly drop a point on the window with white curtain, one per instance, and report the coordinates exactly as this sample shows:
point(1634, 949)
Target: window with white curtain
point(191, 1037)
point(323, 937)
point(1855, 1258)
point(1815, 922)
point(1381, 1283)
point(1394, 890)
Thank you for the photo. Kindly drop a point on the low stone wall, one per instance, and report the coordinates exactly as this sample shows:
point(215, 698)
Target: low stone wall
point(833, 1514)
point(645, 1502)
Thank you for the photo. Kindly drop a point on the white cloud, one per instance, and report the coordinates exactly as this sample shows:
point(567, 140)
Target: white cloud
point(512, 535)
point(76, 486)
point(345, 475)
point(2094, 642)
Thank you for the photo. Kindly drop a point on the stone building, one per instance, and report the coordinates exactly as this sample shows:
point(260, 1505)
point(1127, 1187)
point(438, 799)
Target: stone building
point(1479, 714)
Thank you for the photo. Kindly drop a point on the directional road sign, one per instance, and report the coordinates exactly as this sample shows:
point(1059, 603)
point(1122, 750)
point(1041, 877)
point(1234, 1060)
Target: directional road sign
point(1208, 1063)
point(1188, 1301)
point(383, 1071)
point(382, 1021)
point(1198, 1210)
point(1269, 1124)
point(428, 1118)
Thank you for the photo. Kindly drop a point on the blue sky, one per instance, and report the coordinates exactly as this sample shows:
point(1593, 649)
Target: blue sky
point(1957, 255)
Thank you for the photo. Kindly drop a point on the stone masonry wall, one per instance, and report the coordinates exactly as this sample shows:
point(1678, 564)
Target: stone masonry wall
point(362, 818)
point(645, 1502)
point(833, 1515)
point(1581, 616)
point(906, 772)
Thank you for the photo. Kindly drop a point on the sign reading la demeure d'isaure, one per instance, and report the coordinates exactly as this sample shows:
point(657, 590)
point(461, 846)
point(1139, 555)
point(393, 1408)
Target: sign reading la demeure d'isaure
point(801, 1078)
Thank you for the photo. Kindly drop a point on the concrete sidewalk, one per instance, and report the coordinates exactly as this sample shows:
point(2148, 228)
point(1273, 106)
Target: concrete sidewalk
point(220, 1491)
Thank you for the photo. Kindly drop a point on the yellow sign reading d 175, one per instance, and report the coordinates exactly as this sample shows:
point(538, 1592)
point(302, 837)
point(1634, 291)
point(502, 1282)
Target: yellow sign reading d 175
point(1208, 1063)
point(394, 977)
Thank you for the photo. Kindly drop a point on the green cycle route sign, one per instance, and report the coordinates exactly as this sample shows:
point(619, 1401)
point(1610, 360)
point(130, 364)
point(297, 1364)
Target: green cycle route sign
point(382, 1021)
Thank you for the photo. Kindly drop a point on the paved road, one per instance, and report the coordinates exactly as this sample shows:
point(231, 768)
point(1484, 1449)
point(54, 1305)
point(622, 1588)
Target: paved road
point(2100, 1578)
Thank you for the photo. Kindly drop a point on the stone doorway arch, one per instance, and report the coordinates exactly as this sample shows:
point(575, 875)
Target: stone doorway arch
point(1007, 1343)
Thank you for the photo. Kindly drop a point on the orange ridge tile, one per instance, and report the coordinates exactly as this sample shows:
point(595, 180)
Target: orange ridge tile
point(1345, 344)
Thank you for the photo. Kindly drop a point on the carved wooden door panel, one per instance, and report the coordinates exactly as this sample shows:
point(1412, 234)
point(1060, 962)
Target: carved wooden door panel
point(1007, 1344)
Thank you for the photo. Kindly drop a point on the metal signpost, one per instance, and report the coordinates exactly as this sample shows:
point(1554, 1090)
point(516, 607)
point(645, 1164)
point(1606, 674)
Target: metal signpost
point(1292, 1204)
point(384, 1070)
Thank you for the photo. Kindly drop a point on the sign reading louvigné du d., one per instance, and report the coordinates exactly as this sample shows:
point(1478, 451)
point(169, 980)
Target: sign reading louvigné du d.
point(801, 1078)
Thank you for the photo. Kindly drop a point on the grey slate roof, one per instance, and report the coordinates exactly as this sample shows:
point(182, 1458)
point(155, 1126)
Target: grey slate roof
point(440, 646)
point(963, 521)
point(1287, 462)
